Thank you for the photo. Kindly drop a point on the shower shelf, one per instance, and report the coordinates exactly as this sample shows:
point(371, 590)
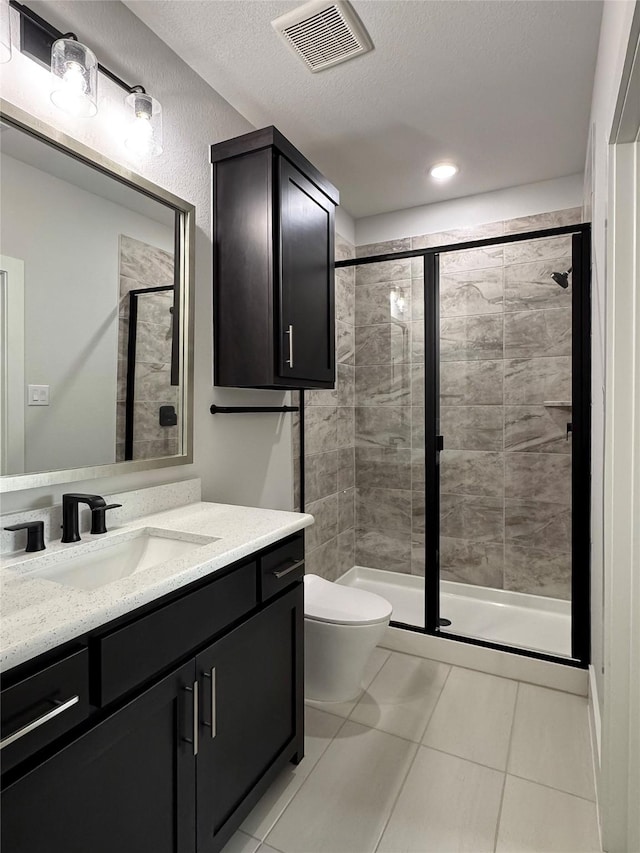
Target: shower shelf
point(561, 404)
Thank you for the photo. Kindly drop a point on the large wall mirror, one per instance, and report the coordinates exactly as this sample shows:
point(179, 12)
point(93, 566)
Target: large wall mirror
point(96, 281)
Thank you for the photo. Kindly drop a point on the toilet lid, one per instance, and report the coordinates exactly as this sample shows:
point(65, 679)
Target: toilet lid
point(344, 605)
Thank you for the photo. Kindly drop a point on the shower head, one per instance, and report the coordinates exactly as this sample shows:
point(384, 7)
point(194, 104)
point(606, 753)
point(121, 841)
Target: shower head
point(561, 278)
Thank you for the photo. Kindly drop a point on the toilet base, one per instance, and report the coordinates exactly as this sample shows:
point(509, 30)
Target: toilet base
point(335, 658)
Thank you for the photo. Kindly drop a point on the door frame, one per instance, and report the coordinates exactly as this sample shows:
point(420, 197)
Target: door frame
point(581, 420)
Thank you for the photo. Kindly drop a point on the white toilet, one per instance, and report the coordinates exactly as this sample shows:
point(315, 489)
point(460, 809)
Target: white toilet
point(342, 627)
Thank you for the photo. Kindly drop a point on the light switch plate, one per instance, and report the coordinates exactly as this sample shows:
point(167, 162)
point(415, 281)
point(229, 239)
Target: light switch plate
point(37, 395)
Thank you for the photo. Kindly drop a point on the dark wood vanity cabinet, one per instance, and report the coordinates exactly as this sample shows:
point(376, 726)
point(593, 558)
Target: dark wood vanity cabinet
point(175, 765)
point(273, 271)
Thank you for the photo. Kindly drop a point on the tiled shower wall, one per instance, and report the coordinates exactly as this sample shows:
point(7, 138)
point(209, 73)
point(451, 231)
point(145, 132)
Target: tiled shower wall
point(505, 350)
point(329, 445)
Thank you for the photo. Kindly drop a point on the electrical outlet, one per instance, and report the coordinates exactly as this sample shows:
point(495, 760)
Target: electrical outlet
point(37, 395)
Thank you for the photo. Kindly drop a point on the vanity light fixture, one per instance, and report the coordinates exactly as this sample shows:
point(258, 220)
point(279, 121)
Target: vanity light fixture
point(443, 171)
point(5, 31)
point(74, 73)
point(144, 133)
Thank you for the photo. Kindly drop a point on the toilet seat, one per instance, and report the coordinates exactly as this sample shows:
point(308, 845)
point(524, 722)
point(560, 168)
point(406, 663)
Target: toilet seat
point(325, 601)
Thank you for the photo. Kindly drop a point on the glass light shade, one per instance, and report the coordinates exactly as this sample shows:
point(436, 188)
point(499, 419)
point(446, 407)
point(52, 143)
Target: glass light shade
point(5, 31)
point(144, 133)
point(74, 73)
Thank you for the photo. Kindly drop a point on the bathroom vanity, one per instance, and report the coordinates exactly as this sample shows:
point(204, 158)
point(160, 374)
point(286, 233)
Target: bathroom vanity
point(168, 699)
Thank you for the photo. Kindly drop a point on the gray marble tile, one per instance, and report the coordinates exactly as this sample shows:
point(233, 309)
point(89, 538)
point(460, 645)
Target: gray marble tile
point(383, 549)
point(325, 513)
point(383, 271)
point(321, 396)
point(374, 303)
point(554, 219)
point(536, 429)
point(402, 244)
point(383, 467)
point(417, 472)
point(346, 551)
point(146, 423)
point(155, 308)
point(346, 385)
point(346, 295)
point(544, 249)
point(323, 561)
point(472, 292)
point(471, 259)
point(296, 486)
point(383, 509)
point(417, 267)
point(346, 468)
point(418, 558)
point(418, 512)
point(417, 432)
point(320, 429)
point(417, 384)
point(417, 298)
point(346, 510)
point(153, 384)
point(345, 343)
point(383, 426)
point(465, 472)
point(320, 475)
point(458, 235)
point(345, 427)
point(530, 286)
point(121, 387)
point(153, 343)
point(417, 341)
point(383, 385)
point(119, 451)
point(385, 343)
point(537, 572)
point(472, 383)
point(538, 476)
point(123, 338)
point(472, 427)
point(155, 449)
point(532, 381)
point(471, 338)
point(537, 333)
point(479, 563)
point(533, 524)
point(475, 518)
point(344, 250)
point(145, 263)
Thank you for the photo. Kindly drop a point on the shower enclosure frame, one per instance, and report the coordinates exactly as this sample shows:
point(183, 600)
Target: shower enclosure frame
point(580, 431)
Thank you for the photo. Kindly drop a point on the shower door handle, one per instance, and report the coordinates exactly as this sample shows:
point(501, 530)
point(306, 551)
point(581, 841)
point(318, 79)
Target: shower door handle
point(439, 443)
point(569, 430)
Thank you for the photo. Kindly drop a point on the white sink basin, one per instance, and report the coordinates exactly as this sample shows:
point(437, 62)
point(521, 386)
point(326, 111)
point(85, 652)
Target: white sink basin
point(99, 563)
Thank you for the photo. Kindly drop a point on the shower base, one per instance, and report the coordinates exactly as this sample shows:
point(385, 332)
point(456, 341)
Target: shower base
point(500, 616)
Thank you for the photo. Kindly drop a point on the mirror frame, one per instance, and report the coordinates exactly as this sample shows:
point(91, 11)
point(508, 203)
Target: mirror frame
point(185, 255)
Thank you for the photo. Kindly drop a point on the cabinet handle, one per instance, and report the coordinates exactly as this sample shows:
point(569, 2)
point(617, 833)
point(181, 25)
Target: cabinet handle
point(196, 716)
point(212, 676)
point(290, 333)
point(292, 568)
point(35, 724)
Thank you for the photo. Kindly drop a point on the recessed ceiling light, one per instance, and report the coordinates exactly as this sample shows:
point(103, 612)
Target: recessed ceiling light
point(443, 171)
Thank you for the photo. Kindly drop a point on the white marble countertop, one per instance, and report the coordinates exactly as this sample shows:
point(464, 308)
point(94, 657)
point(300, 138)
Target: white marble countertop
point(39, 613)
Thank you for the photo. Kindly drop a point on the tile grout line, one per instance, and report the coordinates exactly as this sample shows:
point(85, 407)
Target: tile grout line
point(506, 768)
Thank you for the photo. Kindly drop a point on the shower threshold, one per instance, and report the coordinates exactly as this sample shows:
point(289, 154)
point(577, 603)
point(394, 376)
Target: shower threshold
point(516, 619)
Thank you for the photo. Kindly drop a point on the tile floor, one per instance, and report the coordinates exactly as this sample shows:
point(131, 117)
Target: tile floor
point(429, 759)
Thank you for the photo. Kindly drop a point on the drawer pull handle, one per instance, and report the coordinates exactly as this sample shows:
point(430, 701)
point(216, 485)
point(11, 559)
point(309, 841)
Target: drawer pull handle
point(292, 568)
point(35, 724)
point(212, 676)
point(289, 332)
point(196, 716)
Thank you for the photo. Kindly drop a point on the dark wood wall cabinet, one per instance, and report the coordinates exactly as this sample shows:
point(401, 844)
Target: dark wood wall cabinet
point(185, 712)
point(273, 265)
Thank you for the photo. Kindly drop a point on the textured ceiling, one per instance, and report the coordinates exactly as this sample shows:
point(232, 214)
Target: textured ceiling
point(503, 88)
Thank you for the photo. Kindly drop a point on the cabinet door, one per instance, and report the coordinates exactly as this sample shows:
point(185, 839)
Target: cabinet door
point(307, 347)
point(127, 785)
point(251, 712)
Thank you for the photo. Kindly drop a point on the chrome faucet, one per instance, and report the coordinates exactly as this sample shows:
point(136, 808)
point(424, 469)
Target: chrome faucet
point(70, 515)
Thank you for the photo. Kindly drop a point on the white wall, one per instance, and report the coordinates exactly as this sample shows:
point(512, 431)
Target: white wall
point(345, 225)
point(240, 459)
point(71, 309)
point(525, 200)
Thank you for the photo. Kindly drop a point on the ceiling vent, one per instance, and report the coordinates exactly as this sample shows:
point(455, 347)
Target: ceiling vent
point(324, 34)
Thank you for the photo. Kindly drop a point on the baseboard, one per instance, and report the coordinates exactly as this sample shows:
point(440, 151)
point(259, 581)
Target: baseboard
point(557, 676)
point(595, 728)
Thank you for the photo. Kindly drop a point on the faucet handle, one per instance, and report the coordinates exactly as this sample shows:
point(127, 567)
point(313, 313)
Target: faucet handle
point(99, 517)
point(35, 534)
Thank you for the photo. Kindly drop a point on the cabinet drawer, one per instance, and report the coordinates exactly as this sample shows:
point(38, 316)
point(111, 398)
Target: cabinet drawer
point(282, 566)
point(129, 656)
point(43, 706)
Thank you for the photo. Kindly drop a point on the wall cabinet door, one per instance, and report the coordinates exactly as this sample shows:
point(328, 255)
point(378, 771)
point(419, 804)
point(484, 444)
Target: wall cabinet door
point(307, 350)
point(250, 707)
point(127, 785)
